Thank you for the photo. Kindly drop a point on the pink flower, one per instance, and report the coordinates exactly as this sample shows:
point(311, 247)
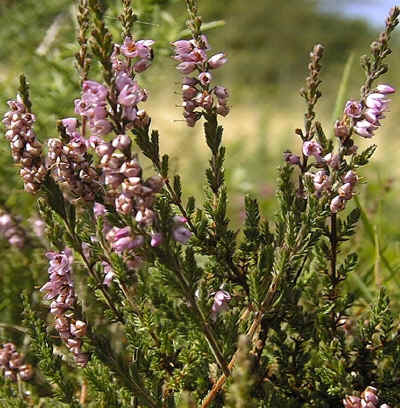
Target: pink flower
point(121, 142)
point(371, 115)
point(353, 109)
point(350, 401)
point(6, 221)
point(122, 239)
point(141, 48)
point(197, 56)
point(130, 112)
point(223, 110)
point(83, 108)
point(99, 210)
point(38, 226)
point(374, 103)
point(156, 239)
point(99, 112)
point(178, 219)
point(350, 177)
point(93, 92)
point(188, 92)
point(189, 81)
point(221, 92)
point(346, 191)
point(186, 67)
point(291, 158)
point(78, 328)
point(141, 65)
point(124, 204)
point(70, 125)
point(81, 359)
point(183, 46)
point(144, 48)
point(108, 274)
point(332, 160)
point(364, 132)
point(221, 302)
point(203, 43)
point(337, 204)
point(60, 262)
point(100, 127)
point(181, 234)
point(385, 89)
point(321, 182)
point(131, 95)
point(205, 78)
point(122, 80)
point(312, 148)
point(217, 60)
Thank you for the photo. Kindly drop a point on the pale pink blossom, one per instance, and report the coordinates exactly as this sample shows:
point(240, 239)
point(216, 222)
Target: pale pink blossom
point(385, 89)
point(221, 303)
point(312, 148)
point(181, 234)
point(217, 60)
point(353, 109)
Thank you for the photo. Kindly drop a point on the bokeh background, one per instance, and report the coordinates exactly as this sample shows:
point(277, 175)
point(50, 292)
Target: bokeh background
point(267, 43)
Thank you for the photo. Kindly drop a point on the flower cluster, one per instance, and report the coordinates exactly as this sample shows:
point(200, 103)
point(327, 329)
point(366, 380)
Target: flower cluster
point(345, 192)
point(104, 110)
point(122, 239)
point(69, 165)
point(339, 187)
point(25, 147)
point(129, 59)
point(365, 117)
point(12, 364)
point(126, 190)
point(368, 399)
point(93, 107)
point(11, 231)
point(60, 290)
point(139, 52)
point(196, 90)
point(361, 117)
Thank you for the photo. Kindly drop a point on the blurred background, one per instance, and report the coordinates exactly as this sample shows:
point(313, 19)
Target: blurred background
point(267, 43)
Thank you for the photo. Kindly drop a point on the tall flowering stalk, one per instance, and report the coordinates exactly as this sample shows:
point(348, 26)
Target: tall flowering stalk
point(25, 146)
point(198, 93)
point(60, 290)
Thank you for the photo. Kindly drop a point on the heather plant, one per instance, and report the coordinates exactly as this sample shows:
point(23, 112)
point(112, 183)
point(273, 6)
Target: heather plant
point(153, 300)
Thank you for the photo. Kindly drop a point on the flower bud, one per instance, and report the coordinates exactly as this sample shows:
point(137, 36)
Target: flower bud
point(217, 60)
point(181, 234)
point(337, 204)
point(385, 89)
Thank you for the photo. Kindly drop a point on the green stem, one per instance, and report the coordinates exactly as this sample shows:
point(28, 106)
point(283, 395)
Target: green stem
point(207, 330)
point(89, 267)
